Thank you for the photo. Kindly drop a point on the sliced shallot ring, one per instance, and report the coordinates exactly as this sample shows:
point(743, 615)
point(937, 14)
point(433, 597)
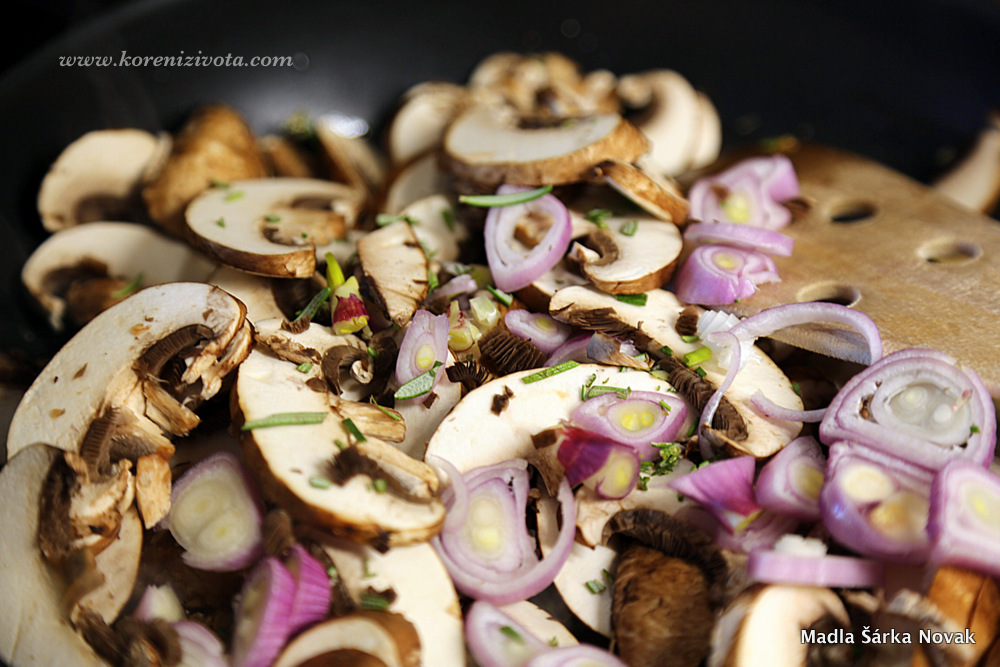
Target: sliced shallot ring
point(775, 567)
point(779, 491)
point(772, 410)
point(492, 636)
point(532, 327)
point(424, 343)
point(742, 236)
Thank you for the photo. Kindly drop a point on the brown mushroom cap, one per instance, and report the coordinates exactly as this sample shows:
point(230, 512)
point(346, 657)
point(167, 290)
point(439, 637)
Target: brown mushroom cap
point(388, 637)
point(395, 266)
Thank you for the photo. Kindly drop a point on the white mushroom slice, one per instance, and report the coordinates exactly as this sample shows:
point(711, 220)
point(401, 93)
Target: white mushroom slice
point(473, 435)
point(653, 193)
point(652, 327)
point(254, 291)
point(428, 601)
point(101, 250)
point(106, 366)
point(537, 294)
point(365, 638)
point(630, 263)
point(585, 581)
point(152, 488)
point(294, 462)
point(97, 177)
point(372, 420)
point(540, 622)
point(420, 122)
point(975, 180)
point(423, 415)
point(670, 119)
point(421, 178)
point(485, 145)
point(34, 628)
point(764, 624)
point(434, 224)
point(352, 158)
point(119, 563)
point(395, 265)
point(274, 226)
point(709, 142)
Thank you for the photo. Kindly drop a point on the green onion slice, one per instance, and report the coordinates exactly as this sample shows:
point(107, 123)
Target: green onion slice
point(630, 228)
point(699, 356)
point(502, 297)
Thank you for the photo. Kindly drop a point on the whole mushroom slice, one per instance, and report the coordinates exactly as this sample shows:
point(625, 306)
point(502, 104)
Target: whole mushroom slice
point(538, 294)
point(359, 639)
point(420, 178)
point(487, 146)
point(275, 226)
point(419, 124)
point(151, 358)
point(97, 177)
point(304, 469)
point(395, 266)
point(424, 414)
point(214, 146)
point(764, 624)
point(433, 221)
point(428, 601)
point(351, 158)
point(742, 430)
point(975, 180)
point(35, 628)
point(80, 271)
point(286, 158)
point(709, 142)
point(633, 255)
point(657, 195)
point(254, 291)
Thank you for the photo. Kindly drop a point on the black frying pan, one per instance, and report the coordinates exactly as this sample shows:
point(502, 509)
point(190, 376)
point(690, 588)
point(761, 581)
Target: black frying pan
point(907, 82)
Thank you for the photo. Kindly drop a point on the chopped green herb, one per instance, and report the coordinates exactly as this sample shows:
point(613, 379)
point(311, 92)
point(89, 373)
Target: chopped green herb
point(489, 201)
point(313, 306)
point(608, 577)
point(272, 218)
point(235, 195)
point(365, 572)
point(796, 388)
point(549, 372)
point(642, 483)
point(386, 219)
point(554, 641)
point(632, 299)
point(595, 587)
point(372, 352)
point(373, 602)
point(353, 430)
point(340, 444)
point(320, 483)
point(690, 339)
point(691, 430)
point(304, 235)
point(304, 367)
point(700, 371)
point(419, 385)
point(502, 297)
point(598, 216)
point(332, 572)
point(221, 222)
point(429, 252)
point(285, 419)
point(597, 391)
point(630, 228)
point(222, 185)
point(512, 633)
point(386, 410)
point(699, 356)
point(973, 429)
point(432, 280)
point(448, 216)
point(666, 406)
point(667, 351)
point(587, 385)
point(670, 454)
point(380, 485)
point(129, 287)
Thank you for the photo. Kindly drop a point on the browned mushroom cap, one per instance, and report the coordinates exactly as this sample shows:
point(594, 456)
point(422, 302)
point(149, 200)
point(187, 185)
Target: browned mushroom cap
point(632, 254)
point(657, 195)
point(395, 266)
point(969, 600)
point(359, 639)
point(488, 146)
point(419, 124)
point(975, 180)
point(215, 145)
point(97, 177)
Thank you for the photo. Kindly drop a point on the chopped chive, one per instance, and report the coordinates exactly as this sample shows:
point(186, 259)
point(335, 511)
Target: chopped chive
point(699, 356)
point(642, 483)
point(340, 444)
point(587, 385)
point(304, 367)
point(432, 280)
point(489, 201)
point(632, 299)
point(512, 633)
point(598, 216)
point(365, 572)
point(554, 641)
point(285, 419)
point(665, 406)
point(305, 235)
point(372, 352)
point(314, 304)
point(373, 602)
point(353, 430)
point(380, 485)
point(797, 389)
point(692, 429)
point(700, 371)
point(448, 216)
point(973, 429)
point(385, 410)
point(332, 572)
point(597, 391)
point(129, 287)
point(235, 195)
point(272, 218)
point(320, 483)
point(630, 228)
point(502, 297)
point(549, 372)
point(419, 385)
point(608, 577)
point(221, 222)
point(595, 587)
point(690, 339)
point(222, 185)
point(667, 351)
point(386, 219)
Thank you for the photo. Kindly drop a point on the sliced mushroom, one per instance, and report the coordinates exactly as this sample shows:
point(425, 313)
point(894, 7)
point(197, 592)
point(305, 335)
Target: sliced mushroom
point(150, 357)
point(630, 263)
point(97, 177)
point(655, 194)
point(396, 267)
point(433, 221)
point(419, 124)
point(423, 415)
point(275, 226)
point(214, 146)
point(287, 159)
point(970, 600)
point(975, 180)
point(152, 488)
point(34, 626)
point(709, 141)
point(541, 622)
point(255, 292)
point(487, 146)
point(374, 420)
point(427, 601)
point(360, 639)
point(296, 463)
point(107, 261)
point(764, 624)
point(421, 178)
point(352, 159)
point(537, 294)
point(652, 327)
